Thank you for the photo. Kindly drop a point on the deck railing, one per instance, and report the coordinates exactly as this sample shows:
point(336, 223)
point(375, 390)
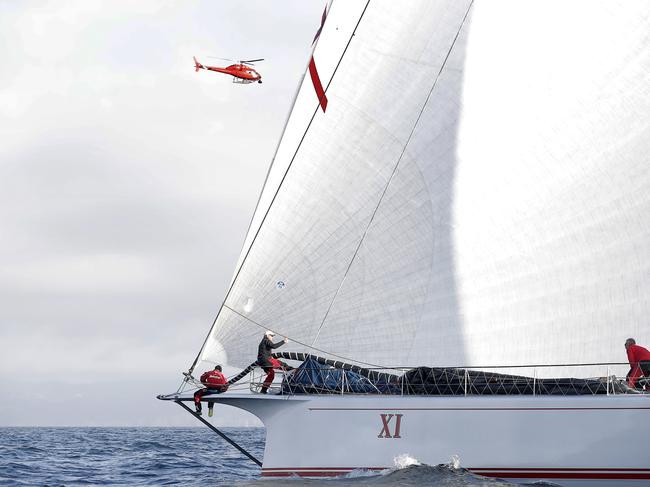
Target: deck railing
point(448, 381)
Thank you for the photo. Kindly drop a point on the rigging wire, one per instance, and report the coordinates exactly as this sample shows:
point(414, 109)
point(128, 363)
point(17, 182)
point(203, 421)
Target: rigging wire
point(328, 6)
point(220, 433)
point(392, 175)
point(311, 347)
point(232, 284)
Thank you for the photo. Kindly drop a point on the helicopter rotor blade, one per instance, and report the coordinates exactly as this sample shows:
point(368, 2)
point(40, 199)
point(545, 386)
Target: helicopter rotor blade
point(251, 61)
point(222, 58)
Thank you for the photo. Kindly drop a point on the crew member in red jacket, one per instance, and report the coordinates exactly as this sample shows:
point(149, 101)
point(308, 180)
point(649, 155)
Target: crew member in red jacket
point(215, 382)
point(639, 359)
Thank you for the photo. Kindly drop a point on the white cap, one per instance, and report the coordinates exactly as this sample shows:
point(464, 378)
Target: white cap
point(270, 333)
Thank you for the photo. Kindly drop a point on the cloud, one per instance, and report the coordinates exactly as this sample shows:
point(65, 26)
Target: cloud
point(127, 182)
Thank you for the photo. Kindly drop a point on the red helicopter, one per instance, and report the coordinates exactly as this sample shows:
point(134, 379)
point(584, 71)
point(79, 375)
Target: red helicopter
point(240, 72)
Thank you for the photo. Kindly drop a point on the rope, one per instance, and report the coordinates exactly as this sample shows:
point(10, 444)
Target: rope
point(305, 344)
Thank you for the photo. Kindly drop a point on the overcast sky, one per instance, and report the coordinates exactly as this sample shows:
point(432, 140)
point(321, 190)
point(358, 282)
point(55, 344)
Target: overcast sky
point(127, 182)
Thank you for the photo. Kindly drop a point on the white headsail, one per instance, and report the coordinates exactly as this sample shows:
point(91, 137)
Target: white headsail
point(477, 192)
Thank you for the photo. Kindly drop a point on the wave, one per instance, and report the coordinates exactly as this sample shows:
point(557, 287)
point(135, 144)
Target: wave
point(407, 472)
point(184, 456)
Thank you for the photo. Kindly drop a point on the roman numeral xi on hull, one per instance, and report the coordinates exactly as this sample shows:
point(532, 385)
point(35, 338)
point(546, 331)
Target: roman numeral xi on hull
point(386, 420)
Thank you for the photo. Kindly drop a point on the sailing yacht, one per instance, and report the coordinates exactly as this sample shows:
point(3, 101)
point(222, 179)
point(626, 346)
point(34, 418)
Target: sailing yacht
point(462, 189)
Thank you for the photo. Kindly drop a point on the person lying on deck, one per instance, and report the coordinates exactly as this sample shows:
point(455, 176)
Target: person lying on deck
point(267, 362)
point(639, 358)
point(215, 382)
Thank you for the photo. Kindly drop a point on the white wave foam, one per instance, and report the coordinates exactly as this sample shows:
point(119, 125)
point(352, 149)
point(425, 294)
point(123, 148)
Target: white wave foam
point(454, 462)
point(404, 460)
point(364, 473)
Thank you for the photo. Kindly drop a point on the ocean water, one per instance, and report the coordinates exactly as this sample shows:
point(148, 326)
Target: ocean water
point(176, 456)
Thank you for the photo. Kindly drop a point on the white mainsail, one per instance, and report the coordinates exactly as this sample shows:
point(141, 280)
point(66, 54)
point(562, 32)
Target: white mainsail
point(477, 192)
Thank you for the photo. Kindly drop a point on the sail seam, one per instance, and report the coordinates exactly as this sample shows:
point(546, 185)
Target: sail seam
point(390, 179)
point(286, 123)
point(232, 284)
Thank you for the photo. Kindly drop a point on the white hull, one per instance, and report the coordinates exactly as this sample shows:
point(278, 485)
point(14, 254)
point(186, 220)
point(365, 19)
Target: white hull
point(566, 440)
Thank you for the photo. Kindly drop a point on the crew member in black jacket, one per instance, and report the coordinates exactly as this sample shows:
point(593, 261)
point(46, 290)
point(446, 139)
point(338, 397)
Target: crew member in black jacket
point(267, 362)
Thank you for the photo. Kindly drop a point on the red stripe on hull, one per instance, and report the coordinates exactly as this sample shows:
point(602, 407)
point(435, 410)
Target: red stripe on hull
point(539, 473)
point(565, 475)
point(480, 409)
